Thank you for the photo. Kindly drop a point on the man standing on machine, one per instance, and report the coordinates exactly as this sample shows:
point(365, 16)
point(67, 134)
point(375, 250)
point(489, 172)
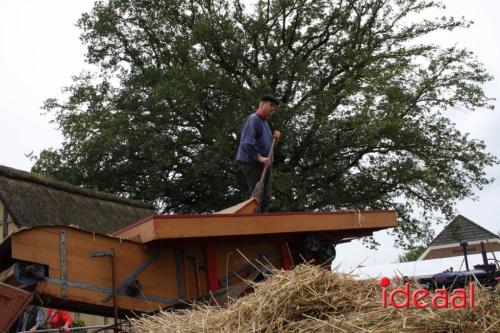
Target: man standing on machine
point(255, 145)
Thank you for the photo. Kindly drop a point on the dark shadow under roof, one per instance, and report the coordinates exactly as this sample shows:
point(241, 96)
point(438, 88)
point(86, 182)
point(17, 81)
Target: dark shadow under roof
point(461, 228)
point(34, 200)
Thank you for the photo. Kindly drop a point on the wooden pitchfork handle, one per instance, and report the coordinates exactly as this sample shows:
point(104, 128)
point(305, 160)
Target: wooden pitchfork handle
point(259, 187)
point(270, 161)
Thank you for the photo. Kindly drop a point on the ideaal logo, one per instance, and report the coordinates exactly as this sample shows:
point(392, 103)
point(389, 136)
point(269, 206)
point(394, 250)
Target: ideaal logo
point(419, 298)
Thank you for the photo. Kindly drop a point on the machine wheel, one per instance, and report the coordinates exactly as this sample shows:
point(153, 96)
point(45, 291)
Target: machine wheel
point(313, 242)
point(327, 253)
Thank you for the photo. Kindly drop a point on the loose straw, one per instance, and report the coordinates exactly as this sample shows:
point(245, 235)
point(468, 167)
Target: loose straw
point(312, 299)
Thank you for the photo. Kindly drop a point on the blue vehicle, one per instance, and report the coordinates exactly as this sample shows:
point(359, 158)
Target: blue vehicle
point(486, 274)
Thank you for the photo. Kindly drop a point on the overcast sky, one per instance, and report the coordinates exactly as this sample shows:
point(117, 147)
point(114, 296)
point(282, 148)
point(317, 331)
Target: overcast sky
point(40, 51)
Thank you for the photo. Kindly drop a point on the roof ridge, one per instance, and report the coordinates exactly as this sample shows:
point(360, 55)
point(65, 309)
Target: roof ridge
point(467, 220)
point(12, 173)
point(477, 225)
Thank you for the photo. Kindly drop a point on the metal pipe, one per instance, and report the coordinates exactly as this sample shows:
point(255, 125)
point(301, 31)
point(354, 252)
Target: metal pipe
point(64, 268)
point(113, 284)
point(485, 258)
point(497, 262)
point(70, 329)
point(111, 254)
point(464, 244)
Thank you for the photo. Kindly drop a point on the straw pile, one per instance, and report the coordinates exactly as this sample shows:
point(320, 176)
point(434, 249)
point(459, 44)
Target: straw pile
point(311, 299)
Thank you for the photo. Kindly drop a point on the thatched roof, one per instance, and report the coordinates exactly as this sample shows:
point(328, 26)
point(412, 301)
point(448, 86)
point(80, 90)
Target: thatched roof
point(33, 200)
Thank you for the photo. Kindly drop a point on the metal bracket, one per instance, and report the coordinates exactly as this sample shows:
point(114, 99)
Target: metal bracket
point(179, 272)
point(111, 254)
point(102, 253)
point(110, 290)
point(64, 268)
point(225, 281)
point(130, 279)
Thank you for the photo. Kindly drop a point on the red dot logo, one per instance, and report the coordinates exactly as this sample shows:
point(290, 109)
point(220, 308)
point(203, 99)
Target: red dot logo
point(385, 281)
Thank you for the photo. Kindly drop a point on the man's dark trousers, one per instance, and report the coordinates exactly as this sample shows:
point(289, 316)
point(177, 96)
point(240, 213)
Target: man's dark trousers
point(253, 172)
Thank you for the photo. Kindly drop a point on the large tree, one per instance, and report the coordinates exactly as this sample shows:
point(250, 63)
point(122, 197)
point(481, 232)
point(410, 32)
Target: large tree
point(362, 117)
point(412, 254)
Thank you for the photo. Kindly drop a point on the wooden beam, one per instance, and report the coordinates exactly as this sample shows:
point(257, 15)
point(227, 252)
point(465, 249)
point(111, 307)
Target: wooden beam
point(226, 225)
point(244, 207)
point(5, 222)
point(7, 274)
point(454, 251)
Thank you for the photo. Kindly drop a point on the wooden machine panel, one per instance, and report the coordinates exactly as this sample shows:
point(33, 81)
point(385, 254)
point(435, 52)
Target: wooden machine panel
point(167, 261)
point(89, 277)
point(168, 275)
point(228, 225)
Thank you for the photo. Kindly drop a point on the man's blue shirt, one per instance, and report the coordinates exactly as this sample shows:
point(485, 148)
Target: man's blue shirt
point(256, 139)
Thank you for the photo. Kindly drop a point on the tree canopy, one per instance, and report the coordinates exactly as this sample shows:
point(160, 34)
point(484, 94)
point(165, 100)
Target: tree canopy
point(362, 114)
point(412, 254)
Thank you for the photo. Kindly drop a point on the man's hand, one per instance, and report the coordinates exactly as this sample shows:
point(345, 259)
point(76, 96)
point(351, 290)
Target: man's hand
point(264, 160)
point(276, 134)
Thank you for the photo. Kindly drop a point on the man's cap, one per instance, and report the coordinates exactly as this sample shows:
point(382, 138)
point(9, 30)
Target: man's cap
point(270, 98)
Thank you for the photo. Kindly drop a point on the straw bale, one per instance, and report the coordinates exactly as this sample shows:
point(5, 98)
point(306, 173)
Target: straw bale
point(312, 299)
